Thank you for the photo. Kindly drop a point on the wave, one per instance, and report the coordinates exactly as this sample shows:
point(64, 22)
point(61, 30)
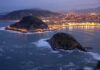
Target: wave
point(42, 43)
point(2, 28)
point(96, 56)
point(88, 68)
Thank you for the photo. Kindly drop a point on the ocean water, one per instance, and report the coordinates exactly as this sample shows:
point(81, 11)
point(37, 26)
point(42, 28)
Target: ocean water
point(30, 51)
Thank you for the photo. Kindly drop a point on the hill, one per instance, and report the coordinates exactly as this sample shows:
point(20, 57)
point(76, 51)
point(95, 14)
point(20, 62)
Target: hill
point(19, 14)
point(28, 24)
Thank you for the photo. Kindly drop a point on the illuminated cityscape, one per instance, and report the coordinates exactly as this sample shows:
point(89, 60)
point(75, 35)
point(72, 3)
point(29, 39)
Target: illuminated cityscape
point(72, 19)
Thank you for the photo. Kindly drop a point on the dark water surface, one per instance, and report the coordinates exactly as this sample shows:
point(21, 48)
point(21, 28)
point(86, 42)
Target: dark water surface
point(29, 51)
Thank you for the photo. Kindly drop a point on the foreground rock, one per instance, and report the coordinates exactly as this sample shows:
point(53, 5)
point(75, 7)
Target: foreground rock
point(64, 41)
point(28, 23)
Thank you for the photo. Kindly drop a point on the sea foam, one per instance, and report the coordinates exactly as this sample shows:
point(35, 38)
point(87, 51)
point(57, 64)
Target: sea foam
point(42, 43)
point(2, 28)
point(96, 56)
point(88, 68)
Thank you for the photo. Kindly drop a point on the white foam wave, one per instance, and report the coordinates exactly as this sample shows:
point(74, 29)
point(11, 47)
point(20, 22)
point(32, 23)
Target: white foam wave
point(96, 56)
point(88, 68)
point(2, 28)
point(55, 52)
point(42, 43)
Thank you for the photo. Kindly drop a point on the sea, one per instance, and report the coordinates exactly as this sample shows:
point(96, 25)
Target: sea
point(30, 51)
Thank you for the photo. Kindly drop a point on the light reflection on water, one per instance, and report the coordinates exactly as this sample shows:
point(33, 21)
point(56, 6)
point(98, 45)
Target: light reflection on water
point(21, 35)
point(86, 28)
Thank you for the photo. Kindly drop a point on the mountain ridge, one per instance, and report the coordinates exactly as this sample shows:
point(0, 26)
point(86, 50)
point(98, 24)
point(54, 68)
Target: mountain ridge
point(19, 14)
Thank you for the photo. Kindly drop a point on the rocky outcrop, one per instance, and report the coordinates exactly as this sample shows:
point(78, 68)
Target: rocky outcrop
point(28, 23)
point(64, 41)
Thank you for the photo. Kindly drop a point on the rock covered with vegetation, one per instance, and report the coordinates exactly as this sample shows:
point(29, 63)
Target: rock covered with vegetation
point(28, 23)
point(64, 41)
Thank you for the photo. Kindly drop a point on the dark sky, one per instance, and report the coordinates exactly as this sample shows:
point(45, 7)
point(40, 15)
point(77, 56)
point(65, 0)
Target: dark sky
point(54, 5)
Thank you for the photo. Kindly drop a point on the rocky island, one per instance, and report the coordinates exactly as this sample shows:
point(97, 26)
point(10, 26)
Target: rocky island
point(64, 41)
point(28, 24)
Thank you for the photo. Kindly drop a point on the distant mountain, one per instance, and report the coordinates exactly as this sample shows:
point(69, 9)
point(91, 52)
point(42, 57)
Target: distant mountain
point(92, 10)
point(19, 14)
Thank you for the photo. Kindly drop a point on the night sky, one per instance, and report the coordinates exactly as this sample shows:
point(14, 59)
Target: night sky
point(54, 5)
